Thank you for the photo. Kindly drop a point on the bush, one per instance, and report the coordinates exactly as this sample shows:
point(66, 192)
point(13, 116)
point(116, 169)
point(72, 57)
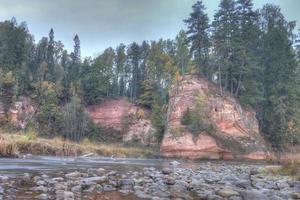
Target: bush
point(94, 132)
point(75, 120)
point(7, 92)
point(8, 149)
point(291, 168)
point(48, 116)
point(158, 121)
point(197, 120)
point(187, 117)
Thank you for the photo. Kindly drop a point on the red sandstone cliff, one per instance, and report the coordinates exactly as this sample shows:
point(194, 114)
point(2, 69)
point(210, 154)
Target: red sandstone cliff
point(129, 120)
point(20, 113)
point(236, 133)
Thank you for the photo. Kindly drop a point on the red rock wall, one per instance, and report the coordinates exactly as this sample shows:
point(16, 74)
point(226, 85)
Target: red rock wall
point(110, 112)
point(231, 121)
point(113, 113)
point(20, 113)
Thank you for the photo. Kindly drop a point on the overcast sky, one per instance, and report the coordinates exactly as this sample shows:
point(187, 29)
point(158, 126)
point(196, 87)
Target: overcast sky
point(104, 23)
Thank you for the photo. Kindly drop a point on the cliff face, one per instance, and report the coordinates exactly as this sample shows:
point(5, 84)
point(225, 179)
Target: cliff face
point(130, 121)
point(20, 113)
point(234, 132)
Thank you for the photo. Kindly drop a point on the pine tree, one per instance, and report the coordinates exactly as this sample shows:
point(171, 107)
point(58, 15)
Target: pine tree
point(198, 36)
point(225, 35)
point(96, 82)
point(134, 56)
point(48, 115)
point(120, 61)
point(145, 51)
point(76, 55)
point(147, 97)
point(75, 120)
point(280, 107)
point(50, 76)
point(7, 92)
point(158, 118)
point(247, 74)
point(182, 56)
point(76, 62)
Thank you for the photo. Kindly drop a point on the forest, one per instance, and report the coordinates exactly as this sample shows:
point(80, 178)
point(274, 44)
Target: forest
point(247, 52)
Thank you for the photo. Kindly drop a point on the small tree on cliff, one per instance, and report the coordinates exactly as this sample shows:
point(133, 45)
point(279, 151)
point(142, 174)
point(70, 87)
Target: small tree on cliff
point(148, 92)
point(75, 120)
point(158, 119)
point(7, 92)
point(48, 114)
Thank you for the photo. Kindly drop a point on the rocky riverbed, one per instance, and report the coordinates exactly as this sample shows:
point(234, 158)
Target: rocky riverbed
point(172, 180)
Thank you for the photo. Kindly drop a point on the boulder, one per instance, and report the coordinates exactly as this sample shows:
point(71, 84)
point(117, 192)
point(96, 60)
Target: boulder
point(227, 192)
point(94, 180)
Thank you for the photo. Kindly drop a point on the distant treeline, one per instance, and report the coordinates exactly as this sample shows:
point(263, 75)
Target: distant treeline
point(247, 52)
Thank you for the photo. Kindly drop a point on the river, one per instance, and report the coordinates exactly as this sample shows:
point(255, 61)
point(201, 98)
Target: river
point(42, 177)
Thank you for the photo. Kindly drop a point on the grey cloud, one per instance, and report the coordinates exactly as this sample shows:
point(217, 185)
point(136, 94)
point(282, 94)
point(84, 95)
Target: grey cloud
point(103, 23)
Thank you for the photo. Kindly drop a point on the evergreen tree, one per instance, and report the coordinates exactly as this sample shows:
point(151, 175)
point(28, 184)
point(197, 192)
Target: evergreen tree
point(40, 65)
point(50, 57)
point(134, 56)
point(198, 36)
point(76, 54)
point(75, 120)
point(48, 114)
point(120, 61)
point(225, 38)
point(280, 107)
point(76, 62)
point(145, 50)
point(182, 56)
point(158, 118)
point(247, 72)
point(7, 92)
point(148, 95)
point(97, 79)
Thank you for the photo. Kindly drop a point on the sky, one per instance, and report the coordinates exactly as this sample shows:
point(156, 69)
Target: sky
point(104, 23)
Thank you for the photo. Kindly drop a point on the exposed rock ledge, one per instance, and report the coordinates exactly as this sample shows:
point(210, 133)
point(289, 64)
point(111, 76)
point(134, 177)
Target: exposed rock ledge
point(20, 113)
point(130, 121)
point(236, 136)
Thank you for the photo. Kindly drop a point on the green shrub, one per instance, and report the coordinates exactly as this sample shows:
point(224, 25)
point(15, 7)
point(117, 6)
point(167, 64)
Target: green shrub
point(158, 121)
point(291, 168)
point(197, 119)
point(187, 117)
point(75, 120)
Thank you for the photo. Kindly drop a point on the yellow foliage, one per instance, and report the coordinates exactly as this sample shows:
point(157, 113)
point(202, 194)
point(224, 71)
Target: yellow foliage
point(200, 100)
point(192, 68)
point(8, 78)
point(140, 114)
point(177, 77)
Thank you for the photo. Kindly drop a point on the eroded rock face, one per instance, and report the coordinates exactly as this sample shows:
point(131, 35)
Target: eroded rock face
point(236, 133)
point(20, 113)
point(128, 119)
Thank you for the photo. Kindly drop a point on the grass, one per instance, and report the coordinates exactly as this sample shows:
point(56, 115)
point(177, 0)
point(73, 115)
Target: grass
point(12, 144)
point(287, 167)
point(291, 169)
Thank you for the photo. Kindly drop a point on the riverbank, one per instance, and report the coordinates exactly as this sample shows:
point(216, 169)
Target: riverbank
point(148, 179)
point(13, 145)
